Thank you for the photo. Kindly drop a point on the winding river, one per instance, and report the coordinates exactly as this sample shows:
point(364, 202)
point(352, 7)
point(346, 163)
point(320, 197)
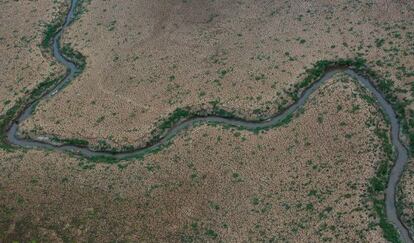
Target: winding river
point(396, 172)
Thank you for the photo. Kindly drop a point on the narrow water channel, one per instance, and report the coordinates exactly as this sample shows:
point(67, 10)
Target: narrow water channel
point(396, 172)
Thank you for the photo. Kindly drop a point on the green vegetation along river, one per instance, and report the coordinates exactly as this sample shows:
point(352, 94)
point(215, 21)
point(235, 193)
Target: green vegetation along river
point(73, 70)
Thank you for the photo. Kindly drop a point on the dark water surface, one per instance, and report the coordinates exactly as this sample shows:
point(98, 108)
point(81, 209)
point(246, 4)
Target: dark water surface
point(396, 172)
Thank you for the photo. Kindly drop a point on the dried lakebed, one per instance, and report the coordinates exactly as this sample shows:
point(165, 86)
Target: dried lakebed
point(396, 171)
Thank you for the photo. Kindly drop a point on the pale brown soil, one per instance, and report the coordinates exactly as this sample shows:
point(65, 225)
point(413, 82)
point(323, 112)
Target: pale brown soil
point(303, 182)
point(147, 58)
point(23, 65)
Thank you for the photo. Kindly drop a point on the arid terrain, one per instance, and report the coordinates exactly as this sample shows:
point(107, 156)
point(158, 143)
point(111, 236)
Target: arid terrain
point(212, 183)
point(23, 64)
point(146, 59)
point(143, 66)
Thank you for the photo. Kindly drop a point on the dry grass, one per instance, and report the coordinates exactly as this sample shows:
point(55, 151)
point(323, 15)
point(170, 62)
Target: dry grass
point(145, 59)
point(304, 182)
point(23, 64)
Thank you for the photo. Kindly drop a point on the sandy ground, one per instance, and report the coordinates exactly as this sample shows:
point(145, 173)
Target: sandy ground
point(147, 58)
point(306, 181)
point(303, 182)
point(23, 65)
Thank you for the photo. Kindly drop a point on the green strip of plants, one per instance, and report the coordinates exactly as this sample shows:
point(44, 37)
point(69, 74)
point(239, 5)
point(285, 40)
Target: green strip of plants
point(50, 32)
point(20, 104)
point(378, 184)
point(74, 56)
point(73, 141)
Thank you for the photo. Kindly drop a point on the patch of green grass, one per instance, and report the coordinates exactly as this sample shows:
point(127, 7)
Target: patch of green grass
point(177, 115)
point(20, 104)
point(103, 159)
point(320, 67)
point(71, 141)
point(223, 113)
point(74, 56)
point(377, 186)
point(211, 234)
point(5, 121)
point(386, 86)
point(49, 32)
point(81, 8)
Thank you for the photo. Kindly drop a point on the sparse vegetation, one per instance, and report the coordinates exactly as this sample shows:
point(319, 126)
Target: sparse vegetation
point(212, 182)
point(74, 56)
point(50, 31)
point(11, 114)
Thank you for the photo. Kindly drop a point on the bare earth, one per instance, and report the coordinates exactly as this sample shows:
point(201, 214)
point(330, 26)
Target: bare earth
point(23, 65)
point(147, 58)
point(303, 182)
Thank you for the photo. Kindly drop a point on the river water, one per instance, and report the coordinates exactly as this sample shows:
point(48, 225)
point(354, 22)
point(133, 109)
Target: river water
point(395, 175)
